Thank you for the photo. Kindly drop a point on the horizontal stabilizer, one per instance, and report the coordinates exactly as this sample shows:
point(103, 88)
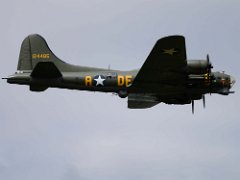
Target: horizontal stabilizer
point(141, 101)
point(46, 70)
point(141, 104)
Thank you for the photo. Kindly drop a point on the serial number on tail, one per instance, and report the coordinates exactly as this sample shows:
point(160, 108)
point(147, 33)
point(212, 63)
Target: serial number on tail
point(40, 56)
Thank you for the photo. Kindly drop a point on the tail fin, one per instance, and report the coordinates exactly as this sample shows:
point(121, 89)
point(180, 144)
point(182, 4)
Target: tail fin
point(34, 49)
point(35, 52)
point(25, 60)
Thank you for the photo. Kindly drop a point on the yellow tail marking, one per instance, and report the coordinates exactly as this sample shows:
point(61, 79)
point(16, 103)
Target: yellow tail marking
point(40, 56)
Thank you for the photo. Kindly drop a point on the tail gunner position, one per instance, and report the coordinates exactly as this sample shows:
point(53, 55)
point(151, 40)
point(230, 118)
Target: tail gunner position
point(166, 75)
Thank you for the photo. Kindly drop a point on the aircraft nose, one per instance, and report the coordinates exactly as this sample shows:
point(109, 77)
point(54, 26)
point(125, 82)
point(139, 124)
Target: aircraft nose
point(233, 80)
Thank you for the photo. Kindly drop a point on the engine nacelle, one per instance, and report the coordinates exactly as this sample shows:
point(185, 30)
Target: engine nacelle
point(198, 66)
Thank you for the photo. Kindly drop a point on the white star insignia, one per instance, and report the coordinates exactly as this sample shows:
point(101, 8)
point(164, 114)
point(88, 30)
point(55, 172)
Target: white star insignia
point(169, 51)
point(99, 81)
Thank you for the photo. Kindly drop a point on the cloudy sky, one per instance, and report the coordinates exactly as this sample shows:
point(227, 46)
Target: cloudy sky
point(75, 135)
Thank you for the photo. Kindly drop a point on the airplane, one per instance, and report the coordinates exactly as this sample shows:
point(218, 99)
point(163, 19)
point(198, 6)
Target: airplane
point(166, 76)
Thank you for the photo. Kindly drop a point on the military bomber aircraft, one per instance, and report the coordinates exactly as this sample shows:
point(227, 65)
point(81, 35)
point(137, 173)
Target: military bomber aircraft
point(166, 75)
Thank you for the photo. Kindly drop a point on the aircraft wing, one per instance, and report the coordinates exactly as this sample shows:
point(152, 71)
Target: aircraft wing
point(164, 65)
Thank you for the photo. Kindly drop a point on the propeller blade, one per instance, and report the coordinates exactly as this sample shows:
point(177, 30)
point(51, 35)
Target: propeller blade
point(192, 106)
point(209, 64)
point(208, 58)
point(209, 72)
point(204, 101)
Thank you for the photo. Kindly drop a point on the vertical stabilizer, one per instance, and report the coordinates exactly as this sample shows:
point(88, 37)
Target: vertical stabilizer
point(25, 60)
point(35, 50)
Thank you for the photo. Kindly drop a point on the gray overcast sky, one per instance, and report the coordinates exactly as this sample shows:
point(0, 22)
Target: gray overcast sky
point(74, 135)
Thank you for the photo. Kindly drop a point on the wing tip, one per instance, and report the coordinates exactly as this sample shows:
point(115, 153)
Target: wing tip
point(172, 38)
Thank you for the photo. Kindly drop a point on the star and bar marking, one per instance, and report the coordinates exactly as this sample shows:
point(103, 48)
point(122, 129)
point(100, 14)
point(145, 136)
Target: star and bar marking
point(170, 52)
point(99, 80)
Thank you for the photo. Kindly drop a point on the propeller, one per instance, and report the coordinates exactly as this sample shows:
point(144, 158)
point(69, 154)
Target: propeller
point(209, 71)
point(192, 106)
point(208, 59)
point(204, 101)
point(209, 80)
point(209, 66)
